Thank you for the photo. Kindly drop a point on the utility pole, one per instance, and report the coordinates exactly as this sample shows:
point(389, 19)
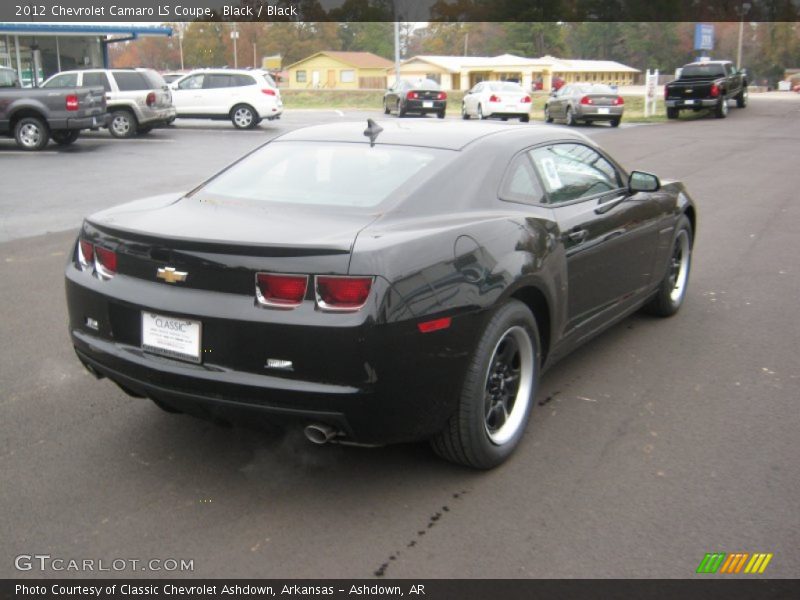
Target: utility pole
point(743, 10)
point(396, 51)
point(234, 37)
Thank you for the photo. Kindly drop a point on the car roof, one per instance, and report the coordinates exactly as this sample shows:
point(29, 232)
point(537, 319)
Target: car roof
point(431, 134)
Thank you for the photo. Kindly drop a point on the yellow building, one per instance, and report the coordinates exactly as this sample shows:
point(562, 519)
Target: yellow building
point(463, 72)
point(339, 71)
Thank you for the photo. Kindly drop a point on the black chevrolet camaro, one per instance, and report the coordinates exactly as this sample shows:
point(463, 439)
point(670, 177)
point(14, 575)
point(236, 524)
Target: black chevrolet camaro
point(407, 282)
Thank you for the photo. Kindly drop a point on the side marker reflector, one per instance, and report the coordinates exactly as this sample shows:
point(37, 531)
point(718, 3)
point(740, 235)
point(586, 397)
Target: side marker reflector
point(435, 325)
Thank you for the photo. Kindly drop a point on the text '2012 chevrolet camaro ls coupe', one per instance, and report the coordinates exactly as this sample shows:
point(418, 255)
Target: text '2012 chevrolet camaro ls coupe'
point(405, 282)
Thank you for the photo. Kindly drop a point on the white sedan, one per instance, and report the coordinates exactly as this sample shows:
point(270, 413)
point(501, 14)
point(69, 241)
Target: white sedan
point(499, 99)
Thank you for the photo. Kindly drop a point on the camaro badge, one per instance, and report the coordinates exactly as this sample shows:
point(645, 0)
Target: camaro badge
point(170, 275)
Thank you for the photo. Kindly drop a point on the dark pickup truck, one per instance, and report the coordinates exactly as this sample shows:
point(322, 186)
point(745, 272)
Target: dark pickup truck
point(708, 84)
point(33, 115)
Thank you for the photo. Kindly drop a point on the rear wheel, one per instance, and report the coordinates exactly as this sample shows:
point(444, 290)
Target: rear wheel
point(480, 112)
point(464, 113)
point(31, 133)
point(497, 395)
point(123, 124)
point(524, 118)
point(401, 110)
point(440, 114)
point(741, 99)
point(672, 113)
point(244, 117)
point(721, 111)
point(615, 122)
point(672, 289)
point(64, 137)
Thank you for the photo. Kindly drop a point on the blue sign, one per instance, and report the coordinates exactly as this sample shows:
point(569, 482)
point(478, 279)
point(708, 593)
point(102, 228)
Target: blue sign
point(703, 36)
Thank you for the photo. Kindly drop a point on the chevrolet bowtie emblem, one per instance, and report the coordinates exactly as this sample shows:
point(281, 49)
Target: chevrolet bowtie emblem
point(170, 275)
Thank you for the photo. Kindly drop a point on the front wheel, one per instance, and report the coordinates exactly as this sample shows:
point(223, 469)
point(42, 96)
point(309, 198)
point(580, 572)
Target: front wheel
point(497, 394)
point(64, 137)
point(244, 117)
point(401, 110)
point(741, 99)
point(672, 289)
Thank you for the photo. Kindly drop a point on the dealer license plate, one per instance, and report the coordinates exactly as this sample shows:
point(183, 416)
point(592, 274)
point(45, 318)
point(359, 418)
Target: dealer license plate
point(427, 104)
point(171, 336)
point(687, 102)
point(602, 111)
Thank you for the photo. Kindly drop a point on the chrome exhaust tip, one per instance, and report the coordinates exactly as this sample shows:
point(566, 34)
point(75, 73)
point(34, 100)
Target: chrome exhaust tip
point(319, 433)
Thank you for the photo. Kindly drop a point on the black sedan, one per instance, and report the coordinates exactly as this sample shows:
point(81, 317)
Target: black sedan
point(419, 97)
point(407, 282)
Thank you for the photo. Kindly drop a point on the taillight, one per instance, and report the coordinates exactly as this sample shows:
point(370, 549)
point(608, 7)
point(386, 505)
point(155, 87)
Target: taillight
point(494, 98)
point(714, 90)
point(666, 93)
point(618, 101)
point(105, 262)
point(85, 255)
point(268, 91)
point(280, 291)
point(526, 100)
point(442, 96)
point(151, 99)
point(72, 102)
point(586, 100)
point(342, 293)
point(412, 95)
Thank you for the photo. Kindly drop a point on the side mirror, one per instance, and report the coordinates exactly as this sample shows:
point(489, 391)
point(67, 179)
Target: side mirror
point(173, 86)
point(639, 181)
point(553, 92)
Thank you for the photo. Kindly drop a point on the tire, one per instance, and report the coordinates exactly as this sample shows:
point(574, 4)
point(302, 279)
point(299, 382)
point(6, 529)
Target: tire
point(490, 420)
point(464, 113)
point(440, 114)
point(721, 110)
point(547, 117)
point(122, 124)
point(401, 110)
point(170, 121)
point(672, 289)
point(741, 99)
point(244, 116)
point(144, 130)
point(481, 117)
point(64, 137)
point(385, 107)
point(570, 118)
point(672, 113)
point(616, 122)
point(524, 118)
point(31, 133)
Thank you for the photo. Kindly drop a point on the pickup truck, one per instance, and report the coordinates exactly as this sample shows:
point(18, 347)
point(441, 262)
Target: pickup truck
point(707, 84)
point(32, 116)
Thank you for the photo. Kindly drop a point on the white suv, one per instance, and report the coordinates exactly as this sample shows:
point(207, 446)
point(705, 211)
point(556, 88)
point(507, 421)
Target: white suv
point(137, 99)
point(243, 96)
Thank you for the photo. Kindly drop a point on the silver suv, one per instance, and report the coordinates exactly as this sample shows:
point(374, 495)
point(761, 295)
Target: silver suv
point(137, 99)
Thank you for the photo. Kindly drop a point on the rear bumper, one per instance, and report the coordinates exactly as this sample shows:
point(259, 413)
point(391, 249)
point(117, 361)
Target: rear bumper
point(156, 116)
point(691, 103)
point(419, 106)
point(377, 383)
point(502, 110)
point(87, 122)
point(594, 114)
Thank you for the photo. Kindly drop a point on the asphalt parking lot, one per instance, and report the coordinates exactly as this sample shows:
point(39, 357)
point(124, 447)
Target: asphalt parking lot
point(657, 442)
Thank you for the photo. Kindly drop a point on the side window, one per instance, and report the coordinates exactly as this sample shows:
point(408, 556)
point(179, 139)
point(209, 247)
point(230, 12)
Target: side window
point(242, 80)
point(573, 171)
point(216, 81)
point(96, 79)
point(300, 76)
point(195, 82)
point(520, 183)
point(130, 81)
point(63, 80)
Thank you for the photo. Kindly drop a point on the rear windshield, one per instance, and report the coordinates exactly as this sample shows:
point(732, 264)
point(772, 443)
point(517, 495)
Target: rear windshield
point(709, 70)
point(505, 86)
point(324, 173)
point(155, 79)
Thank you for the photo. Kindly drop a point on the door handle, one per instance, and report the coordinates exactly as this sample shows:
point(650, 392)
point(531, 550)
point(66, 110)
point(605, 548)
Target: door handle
point(578, 235)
